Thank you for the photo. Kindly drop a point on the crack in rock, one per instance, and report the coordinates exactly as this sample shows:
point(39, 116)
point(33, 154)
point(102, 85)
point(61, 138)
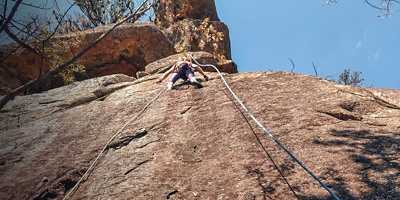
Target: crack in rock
point(124, 141)
point(342, 116)
point(138, 165)
point(171, 193)
point(184, 110)
point(153, 141)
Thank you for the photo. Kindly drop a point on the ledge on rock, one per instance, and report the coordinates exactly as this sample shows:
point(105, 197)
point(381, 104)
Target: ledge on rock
point(38, 105)
point(202, 57)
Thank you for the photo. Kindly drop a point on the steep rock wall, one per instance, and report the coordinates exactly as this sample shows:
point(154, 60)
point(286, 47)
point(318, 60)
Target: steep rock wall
point(196, 143)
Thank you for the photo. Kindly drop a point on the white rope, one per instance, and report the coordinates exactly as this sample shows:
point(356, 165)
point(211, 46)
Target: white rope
point(109, 141)
point(266, 131)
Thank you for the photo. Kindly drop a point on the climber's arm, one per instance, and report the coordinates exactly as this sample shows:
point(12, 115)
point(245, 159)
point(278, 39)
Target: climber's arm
point(199, 69)
point(166, 74)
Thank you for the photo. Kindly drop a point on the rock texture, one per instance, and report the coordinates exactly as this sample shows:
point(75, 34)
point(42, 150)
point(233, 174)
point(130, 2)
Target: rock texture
point(183, 33)
point(130, 49)
point(197, 143)
point(127, 50)
point(172, 11)
point(179, 19)
point(227, 66)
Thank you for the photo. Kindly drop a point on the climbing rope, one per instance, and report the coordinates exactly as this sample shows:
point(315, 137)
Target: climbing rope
point(109, 141)
point(266, 131)
point(259, 141)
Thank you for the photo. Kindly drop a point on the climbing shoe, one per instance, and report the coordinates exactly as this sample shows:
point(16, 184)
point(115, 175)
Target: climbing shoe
point(197, 85)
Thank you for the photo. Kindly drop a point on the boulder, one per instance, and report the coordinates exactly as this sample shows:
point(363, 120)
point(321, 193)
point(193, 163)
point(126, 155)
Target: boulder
point(172, 11)
point(183, 34)
point(202, 57)
point(128, 49)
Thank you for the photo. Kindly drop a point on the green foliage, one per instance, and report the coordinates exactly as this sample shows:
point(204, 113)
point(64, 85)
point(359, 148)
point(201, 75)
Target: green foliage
point(102, 12)
point(205, 34)
point(347, 78)
point(209, 35)
point(68, 75)
point(56, 51)
point(58, 55)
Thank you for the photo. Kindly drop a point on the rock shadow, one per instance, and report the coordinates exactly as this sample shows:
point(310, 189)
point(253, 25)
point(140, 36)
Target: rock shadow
point(376, 158)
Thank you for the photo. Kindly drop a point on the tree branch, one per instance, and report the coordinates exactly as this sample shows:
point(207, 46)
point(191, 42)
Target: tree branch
point(292, 65)
point(10, 16)
point(56, 70)
point(315, 69)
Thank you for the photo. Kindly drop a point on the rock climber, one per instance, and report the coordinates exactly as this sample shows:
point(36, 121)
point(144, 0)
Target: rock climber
point(184, 70)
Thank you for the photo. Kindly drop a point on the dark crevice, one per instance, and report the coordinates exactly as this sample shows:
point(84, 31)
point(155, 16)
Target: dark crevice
point(144, 145)
point(183, 111)
point(342, 116)
point(349, 106)
point(377, 100)
point(61, 184)
point(126, 140)
point(46, 195)
point(138, 165)
point(171, 193)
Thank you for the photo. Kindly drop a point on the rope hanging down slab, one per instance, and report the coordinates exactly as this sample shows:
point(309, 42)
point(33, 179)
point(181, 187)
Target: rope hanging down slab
point(109, 141)
point(266, 131)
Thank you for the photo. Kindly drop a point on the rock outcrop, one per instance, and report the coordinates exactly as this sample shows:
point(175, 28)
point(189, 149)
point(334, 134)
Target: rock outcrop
point(202, 57)
point(127, 50)
point(183, 33)
point(169, 12)
point(198, 144)
point(180, 19)
point(192, 143)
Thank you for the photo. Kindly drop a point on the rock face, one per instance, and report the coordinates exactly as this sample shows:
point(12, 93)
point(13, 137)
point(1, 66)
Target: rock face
point(198, 144)
point(127, 50)
point(172, 11)
point(130, 49)
point(183, 33)
point(202, 57)
point(180, 18)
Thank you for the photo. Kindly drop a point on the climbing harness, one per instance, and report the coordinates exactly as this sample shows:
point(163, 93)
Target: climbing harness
point(266, 131)
point(111, 139)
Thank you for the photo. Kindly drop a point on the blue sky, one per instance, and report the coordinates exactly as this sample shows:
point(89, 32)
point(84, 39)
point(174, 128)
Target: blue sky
point(344, 35)
point(339, 36)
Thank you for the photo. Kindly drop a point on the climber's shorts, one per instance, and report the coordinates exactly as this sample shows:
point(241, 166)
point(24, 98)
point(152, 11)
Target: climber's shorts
point(187, 74)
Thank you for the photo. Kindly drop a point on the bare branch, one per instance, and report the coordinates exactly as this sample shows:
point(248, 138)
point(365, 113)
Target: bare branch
point(18, 41)
point(315, 69)
point(47, 39)
point(387, 6)
point(292, 65)
point(4, 24)
point(139, 11)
